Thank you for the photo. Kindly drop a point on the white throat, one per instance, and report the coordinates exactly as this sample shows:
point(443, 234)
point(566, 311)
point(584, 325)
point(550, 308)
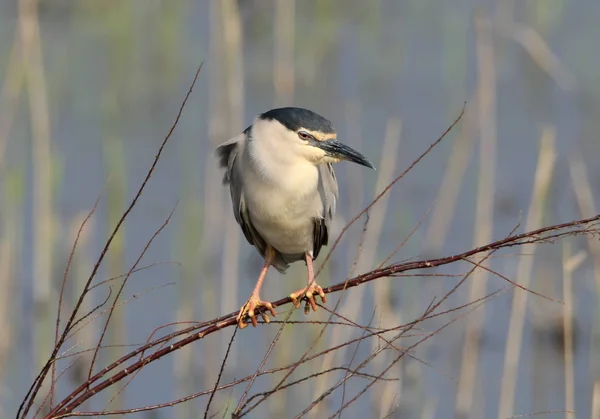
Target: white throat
point(271, 161)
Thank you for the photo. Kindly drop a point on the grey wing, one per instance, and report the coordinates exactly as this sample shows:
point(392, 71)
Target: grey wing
point(228, 153)
point(328, 189)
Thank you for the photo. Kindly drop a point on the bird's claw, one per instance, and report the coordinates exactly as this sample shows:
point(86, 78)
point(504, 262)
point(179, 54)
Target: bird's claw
point(308, 292)
point(248, 310)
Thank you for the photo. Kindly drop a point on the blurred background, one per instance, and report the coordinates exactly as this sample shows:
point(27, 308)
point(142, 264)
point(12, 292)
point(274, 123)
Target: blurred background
point(89, 88)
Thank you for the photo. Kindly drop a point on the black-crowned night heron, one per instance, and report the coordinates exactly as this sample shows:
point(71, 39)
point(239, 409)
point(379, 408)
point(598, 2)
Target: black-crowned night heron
point(284, 192)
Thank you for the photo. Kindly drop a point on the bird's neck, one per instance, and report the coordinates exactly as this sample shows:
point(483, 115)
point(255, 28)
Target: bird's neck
point(279, 170)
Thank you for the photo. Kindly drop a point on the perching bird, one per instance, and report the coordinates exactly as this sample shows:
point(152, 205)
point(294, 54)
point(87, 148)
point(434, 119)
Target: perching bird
point(284, 192)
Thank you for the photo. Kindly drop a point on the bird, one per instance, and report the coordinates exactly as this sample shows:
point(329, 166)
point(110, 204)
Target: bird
point(284, 194)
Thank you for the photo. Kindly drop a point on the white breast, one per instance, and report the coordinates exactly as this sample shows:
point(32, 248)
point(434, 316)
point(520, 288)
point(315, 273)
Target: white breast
point(282, 208)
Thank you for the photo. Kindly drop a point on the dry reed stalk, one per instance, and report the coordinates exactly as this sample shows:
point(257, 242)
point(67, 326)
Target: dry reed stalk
point(11, 92)
point(570, 264)
point(10, 244)
point(9, 219)
point(43, 220)
point(452, 181)
point(534, 44)
point(484, 218)
point(284, 36)
point(226, 120)
point(539, 51)
point(596, 400)
point(213, 208)
point(233, 65)
point(212, 238)
point(512, 354)
point(383, 394)
point(585, 202)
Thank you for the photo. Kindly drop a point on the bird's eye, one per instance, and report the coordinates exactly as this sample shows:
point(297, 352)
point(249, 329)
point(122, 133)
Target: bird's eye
point(304, 135)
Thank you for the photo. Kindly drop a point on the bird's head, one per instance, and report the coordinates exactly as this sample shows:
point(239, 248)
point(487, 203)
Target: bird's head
point(299, 133)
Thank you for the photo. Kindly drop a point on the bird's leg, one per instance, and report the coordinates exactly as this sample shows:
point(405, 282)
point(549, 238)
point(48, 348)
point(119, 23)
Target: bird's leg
point(311, 288)
point(254, 301)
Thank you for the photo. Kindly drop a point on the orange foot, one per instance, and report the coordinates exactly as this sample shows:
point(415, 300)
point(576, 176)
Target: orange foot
point(248, 309)
point(309, 293)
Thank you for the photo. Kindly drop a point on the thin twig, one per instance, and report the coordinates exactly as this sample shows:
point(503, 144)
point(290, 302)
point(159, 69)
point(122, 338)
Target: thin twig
point(388, 187)
point(214, 390)
point(29, 398)
point(241, 403)
point(545, 234)
point(62, 291)
point(122, 286)
point(428, 316)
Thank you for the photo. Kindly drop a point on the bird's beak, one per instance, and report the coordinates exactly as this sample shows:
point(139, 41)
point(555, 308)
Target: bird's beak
point(341, 151)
